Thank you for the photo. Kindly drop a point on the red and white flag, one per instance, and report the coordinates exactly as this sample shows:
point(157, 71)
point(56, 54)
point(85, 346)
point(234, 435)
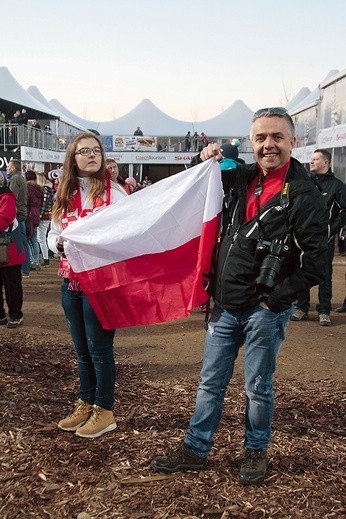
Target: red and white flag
point(143, 259)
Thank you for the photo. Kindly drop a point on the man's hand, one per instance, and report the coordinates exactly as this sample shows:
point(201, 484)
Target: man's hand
point(212, 150)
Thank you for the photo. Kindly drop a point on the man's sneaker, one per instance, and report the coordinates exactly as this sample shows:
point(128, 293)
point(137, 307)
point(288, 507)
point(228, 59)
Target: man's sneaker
point(341, 309)
point(100, 422)
point(181, 458)
point(324, 320)
point(253, 467)
point(77, 418)
point(299, 315)
point(3, 321)
point(14, 323)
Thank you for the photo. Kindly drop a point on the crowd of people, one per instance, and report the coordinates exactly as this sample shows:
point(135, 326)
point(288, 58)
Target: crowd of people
point(278, 227)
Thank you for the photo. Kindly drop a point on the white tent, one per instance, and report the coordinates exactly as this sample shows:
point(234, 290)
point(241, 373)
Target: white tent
point(235, 121)
point(34, 92)
point(91, 125)
point(151, 120)
point(17, 97)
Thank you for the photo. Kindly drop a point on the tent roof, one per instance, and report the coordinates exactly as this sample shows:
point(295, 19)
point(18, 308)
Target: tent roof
point(235, 121)
point(78, 120)
point(35, 92)
point(17, 98)
point(151, 120)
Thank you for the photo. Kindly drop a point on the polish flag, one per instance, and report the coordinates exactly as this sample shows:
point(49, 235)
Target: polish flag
point(143, 260)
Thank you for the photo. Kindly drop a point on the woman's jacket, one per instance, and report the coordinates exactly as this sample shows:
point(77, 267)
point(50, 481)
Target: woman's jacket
point(8, 210)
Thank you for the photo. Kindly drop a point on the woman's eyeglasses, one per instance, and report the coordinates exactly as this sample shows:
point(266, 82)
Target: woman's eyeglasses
point(86, 151)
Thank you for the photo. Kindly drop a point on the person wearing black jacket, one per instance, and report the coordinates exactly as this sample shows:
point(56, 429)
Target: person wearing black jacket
point(334, 192)
point(273, 245)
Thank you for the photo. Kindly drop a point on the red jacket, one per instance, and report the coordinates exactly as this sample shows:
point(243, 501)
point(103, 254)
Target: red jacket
point(8, 210)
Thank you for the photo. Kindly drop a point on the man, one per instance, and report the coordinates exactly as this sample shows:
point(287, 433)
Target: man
point(18, 185)
point(138, 132)
point(334, 191)
point(269, 251)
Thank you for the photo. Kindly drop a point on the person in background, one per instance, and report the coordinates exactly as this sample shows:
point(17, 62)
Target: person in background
point(113, 171)
point(34, 204)
point(83, 189)
point(10, 272)
point(269, 251)
point(334, 192)
point(130, 185)
point(204, 140)
point(195, 141)
point(138, 132)
point(188, 141)
point(45, 215)
point(18, 185)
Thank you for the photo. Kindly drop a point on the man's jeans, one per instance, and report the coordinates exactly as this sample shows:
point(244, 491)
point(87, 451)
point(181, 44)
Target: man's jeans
point(94, 347)
point(263, 332)
point(325, 294)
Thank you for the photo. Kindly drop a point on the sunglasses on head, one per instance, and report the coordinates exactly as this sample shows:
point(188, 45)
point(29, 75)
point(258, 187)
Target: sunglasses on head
point(272, 110)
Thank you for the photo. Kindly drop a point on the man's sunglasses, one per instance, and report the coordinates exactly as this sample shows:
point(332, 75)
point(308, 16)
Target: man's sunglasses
point(273, 110)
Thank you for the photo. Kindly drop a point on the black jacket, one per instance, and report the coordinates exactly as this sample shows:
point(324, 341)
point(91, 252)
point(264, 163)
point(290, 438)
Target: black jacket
point(334, 191)
point(302, 226)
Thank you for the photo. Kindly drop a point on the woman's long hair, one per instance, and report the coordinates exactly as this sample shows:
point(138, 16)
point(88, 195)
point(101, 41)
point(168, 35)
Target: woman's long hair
point(68, 183)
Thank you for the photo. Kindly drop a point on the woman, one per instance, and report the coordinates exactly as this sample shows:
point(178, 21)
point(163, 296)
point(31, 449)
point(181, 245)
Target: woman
point(45, 215)
point(34, 204)
point(83, 189)
point(10, 272)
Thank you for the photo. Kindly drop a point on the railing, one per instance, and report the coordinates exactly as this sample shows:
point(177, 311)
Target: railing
point(14, 135)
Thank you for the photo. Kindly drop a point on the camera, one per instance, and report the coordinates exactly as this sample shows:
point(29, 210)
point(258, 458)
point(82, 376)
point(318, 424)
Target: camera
point(274, 252)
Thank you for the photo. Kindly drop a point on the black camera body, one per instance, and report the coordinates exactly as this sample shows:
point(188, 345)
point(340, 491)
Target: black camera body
point(273, 251)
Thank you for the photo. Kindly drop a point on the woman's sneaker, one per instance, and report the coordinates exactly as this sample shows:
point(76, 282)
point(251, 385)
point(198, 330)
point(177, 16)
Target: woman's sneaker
point(101, 421)
point(77, 418)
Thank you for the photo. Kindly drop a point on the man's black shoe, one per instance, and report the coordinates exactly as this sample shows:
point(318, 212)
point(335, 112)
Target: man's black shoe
point(181, 458)
point(253, 467)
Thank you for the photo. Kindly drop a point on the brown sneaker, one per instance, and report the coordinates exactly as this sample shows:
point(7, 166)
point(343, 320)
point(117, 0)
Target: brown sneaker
point(253, 467)
point(182, 458)
point(77, 418)
point(100, 422)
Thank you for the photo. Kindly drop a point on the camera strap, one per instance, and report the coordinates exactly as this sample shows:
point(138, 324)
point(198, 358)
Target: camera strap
point(284, 203)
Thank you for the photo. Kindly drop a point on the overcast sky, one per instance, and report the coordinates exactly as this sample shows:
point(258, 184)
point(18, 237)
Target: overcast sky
point(191, 58)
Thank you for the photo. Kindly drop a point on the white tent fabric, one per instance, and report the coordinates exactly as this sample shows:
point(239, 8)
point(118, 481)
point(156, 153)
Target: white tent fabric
point(233, 122)
point(91, 125)
point(12, 91)
point(34, 92)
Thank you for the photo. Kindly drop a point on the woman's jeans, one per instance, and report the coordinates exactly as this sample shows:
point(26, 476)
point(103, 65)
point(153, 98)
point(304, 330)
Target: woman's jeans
point(26, 263)
point(263, 332)
point(34, 248)
point(94, 348)
point(42, 237)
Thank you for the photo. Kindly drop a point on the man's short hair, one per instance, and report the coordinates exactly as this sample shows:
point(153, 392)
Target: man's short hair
point(16, 164)
point(325, 154)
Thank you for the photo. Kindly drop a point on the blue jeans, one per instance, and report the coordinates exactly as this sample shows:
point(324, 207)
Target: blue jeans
point(26, 263)
point(325, 293)
point(263, 332)
point(34, 248)
point(94, 348)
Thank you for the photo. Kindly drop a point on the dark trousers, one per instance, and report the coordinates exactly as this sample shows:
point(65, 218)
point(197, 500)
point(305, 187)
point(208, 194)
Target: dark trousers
point(11, 281)
point(324, 305)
